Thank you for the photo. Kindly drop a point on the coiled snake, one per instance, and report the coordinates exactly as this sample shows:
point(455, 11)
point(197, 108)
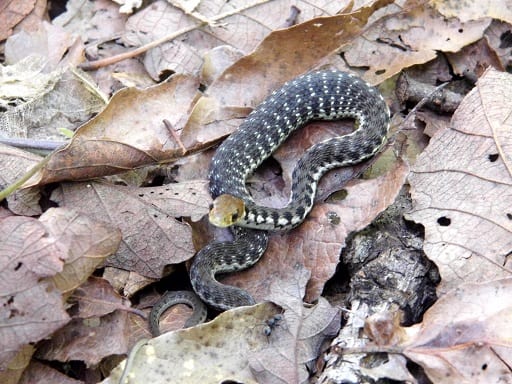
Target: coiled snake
point(321, 95)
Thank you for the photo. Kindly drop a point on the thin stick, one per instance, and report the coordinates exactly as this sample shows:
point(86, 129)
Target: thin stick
point(91, 65)
point(173, 133)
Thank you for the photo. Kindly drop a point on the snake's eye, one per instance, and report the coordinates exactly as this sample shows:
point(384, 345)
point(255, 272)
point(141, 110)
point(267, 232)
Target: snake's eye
point(234, 217)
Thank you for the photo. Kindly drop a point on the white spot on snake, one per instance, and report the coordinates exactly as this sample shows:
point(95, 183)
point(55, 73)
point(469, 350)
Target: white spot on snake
point(296, 220)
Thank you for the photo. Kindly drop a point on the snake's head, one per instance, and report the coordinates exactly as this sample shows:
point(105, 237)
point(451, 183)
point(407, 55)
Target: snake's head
point(226, 211)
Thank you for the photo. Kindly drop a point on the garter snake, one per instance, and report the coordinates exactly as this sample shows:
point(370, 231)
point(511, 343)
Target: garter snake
point(320, 95)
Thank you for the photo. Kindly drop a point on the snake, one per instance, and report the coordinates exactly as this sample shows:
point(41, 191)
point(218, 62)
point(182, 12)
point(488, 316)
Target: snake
point(319, 95)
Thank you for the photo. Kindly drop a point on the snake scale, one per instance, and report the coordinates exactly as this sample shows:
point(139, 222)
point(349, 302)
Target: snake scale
point(320, 95)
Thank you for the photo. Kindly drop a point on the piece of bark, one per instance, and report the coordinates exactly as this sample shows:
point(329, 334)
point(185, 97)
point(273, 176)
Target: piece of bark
point(388, 272)
point(413, 91)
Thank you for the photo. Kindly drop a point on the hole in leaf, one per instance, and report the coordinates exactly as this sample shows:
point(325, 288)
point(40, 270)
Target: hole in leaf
point(509, 215)
point(484, 367)
point(493, 157)
point(506, 39)
point(444, 221)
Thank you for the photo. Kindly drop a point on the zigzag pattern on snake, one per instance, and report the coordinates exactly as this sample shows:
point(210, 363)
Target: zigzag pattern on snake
point(322, 95)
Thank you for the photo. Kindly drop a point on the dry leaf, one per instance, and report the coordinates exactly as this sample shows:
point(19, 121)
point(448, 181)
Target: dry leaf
point(475, 9)
point(88, 243)
point(226, 347)
point(36, 256)
point(149, 218)
point(465, 337)
point(296, 340)
point(461, 185)
point(15, 162)
point(498, 35)
point(31, 308)
point(37, 102)
point(414, 35)
point(208, 353)
point(89, 340)
point(474, 59)
point(46, 40)
point(128, 133)
point(127, 6)
point(11, 13)
point(96, 297)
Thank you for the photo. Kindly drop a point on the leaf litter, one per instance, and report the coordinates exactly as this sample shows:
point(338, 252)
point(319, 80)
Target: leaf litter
point(467, 168)
point(42, 261)
point(382, 39)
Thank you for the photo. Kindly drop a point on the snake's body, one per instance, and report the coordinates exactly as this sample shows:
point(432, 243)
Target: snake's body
point(322, 95)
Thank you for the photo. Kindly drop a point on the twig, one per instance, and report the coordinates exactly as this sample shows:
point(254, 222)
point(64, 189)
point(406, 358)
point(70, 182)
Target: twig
point(171, 130)
point(31, 144)
point(408, 89)
point(91, 65)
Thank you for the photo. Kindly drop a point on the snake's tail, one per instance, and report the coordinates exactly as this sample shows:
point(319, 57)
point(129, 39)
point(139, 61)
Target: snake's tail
point(172, 298)
point(236, 255)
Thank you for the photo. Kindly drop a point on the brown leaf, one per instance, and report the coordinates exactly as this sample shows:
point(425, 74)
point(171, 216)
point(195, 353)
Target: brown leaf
point(128, 133)
point(15, 162)
point(414, 35)
point(465, 335)
point(36, 256)
point(45, 39)
point(207, 353)
point(460, 187)
point(296, 340)
point(38, 101)
point(96, 297)
point(295, 344)
point(17, 365)
point(11, 13)
point(147, 217)
point(31, 308)
point(87, 243)
point(88, 340)
point(474, 59)
point(497, 35)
